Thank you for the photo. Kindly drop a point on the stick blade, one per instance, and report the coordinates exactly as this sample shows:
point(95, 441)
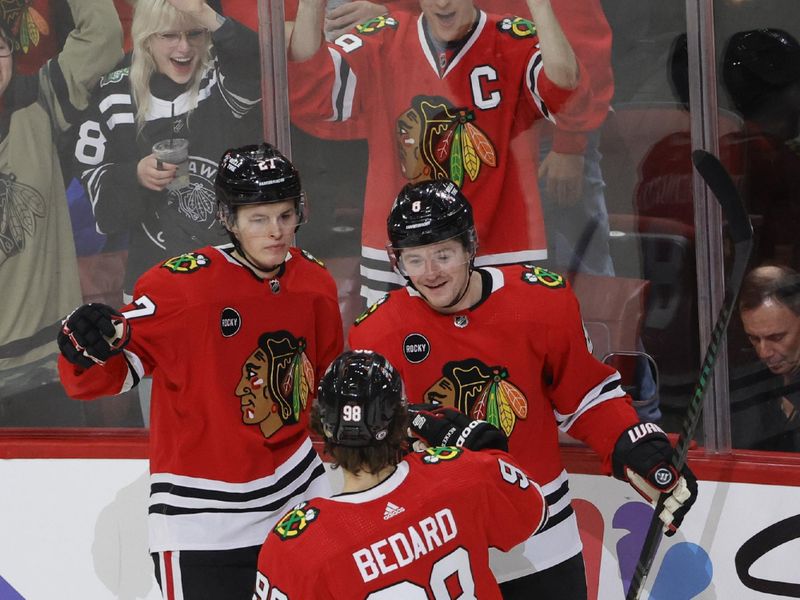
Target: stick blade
point(719, 181)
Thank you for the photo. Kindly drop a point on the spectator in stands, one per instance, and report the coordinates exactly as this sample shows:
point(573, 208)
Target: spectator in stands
point(38, 273)
point(769, 306)
point(193, 74)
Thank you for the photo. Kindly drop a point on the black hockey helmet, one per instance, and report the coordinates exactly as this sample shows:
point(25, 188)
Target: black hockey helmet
point(759, 63)
point(359, 395)
point(257, 174)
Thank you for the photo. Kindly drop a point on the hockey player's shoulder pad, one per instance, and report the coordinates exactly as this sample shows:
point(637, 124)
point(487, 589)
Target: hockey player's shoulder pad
point(115, 76)
point(518, 28)
point(295, 522)
point(371, 309)
point(188, 262)
point(536, 275)
point(308, 256)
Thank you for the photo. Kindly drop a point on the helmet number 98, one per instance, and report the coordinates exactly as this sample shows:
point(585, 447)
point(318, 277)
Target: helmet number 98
point(351, 412)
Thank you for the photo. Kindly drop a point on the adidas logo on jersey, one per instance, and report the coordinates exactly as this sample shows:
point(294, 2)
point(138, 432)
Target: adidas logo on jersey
point(392, 510)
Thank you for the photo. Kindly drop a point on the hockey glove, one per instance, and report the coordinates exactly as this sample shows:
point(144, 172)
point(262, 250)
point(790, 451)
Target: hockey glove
point(92, 334)
point(642, 458)
point(445, 426)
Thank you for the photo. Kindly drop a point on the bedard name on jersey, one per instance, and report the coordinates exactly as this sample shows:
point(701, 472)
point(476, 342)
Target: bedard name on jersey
point(457, 121)
point(232, 377)
point(479, 499)
point(518, 359)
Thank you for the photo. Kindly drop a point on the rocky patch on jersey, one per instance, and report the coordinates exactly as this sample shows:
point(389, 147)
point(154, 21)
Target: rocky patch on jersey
point(371, 309)
point(186, 263)
point(416, 348)
point(435, 141)
point(296, 521)
point(480, 391)
point(440, 453)
point(20, 207)
point(230, 322)
point(375, 24)
point(312, 258)
point(114, 76)
point(537, 275)
point(517, 27)
point(275, 382)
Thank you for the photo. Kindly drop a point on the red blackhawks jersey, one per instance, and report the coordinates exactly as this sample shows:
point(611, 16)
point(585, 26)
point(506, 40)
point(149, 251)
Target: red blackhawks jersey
point(520, 360)
point(458, 116)
point(424, 532)
point(234, 360)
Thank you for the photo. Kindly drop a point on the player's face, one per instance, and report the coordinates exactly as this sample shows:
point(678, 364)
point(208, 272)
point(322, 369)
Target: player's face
point(6, 65)
point(439, 271)
point(774, 331)
point(256, 403)
point(448, 20)
point(177, 53)
point(266, 231)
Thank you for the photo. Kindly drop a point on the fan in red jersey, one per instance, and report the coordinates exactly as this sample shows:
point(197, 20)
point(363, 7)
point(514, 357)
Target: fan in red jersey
point(403, 528)
point(235, 337)
point(507, 345)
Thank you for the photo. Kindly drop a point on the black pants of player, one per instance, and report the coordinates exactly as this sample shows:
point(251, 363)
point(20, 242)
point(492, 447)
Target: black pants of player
point(564, 581)
point(207, 574)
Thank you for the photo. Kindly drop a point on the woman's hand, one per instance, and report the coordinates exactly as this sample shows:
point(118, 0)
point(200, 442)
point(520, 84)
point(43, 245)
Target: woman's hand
point(155, 174)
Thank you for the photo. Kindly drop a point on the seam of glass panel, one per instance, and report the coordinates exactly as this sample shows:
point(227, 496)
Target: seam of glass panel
point(708, 247)
point(274, 77)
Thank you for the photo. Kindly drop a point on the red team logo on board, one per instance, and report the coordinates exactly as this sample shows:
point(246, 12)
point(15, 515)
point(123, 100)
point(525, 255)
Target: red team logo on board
point(480, 391)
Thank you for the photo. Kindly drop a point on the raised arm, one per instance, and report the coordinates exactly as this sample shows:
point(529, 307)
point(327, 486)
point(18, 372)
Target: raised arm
point(558, 58)
point(92, 49)
point(307, 34)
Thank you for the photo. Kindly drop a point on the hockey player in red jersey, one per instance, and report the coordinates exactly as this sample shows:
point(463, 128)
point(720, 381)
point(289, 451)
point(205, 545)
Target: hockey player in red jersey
point(507, 345)
point(403, 528)
point(444, 94)
point(235, 337)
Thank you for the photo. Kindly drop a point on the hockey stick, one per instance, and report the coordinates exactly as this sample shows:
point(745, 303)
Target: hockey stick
point(741, 233)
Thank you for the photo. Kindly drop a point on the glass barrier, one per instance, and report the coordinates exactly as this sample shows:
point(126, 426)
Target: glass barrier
point(759, 81)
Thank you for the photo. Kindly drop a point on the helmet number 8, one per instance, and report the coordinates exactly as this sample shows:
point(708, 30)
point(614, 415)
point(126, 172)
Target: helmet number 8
point(351, 412)
point(416, 206)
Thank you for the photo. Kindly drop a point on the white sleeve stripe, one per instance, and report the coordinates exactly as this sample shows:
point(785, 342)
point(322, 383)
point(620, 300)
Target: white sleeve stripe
point(535, 66)
point(344, 88)
point(119, 118)
point(113, 99)
point(608, 389)
point(132, 378)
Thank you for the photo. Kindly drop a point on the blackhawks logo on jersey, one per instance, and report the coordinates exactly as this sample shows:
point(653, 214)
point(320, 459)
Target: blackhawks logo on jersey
point(21, 208)
point(375, 24)
point(517, 27)
point(538, 275)
point(186, 263)
point(480, 391)
point(275, 382)
point(307, 255)
point(371, 309)
point(439, 454)
point(296, 521)
point(437, 141)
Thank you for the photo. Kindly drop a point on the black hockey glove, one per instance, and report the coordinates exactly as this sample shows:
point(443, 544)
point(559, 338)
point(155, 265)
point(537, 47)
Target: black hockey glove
point(642, 458)
point(92, 334)
point(445, 426)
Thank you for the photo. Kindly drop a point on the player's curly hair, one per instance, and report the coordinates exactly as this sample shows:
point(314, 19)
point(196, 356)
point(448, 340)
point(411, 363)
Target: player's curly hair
point(388, 452)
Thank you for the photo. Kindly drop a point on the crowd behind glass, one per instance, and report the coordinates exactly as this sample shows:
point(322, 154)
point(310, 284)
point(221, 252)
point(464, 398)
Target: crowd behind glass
point(615, 198)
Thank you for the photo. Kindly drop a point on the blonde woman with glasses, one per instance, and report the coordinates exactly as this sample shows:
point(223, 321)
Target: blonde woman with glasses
point(193, 75)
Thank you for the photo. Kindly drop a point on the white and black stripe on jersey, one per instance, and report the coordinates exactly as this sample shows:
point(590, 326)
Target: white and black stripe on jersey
point(605, 390)
point(204, 514)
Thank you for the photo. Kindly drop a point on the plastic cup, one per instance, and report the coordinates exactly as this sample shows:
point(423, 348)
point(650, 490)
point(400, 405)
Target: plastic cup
point(175, 152)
